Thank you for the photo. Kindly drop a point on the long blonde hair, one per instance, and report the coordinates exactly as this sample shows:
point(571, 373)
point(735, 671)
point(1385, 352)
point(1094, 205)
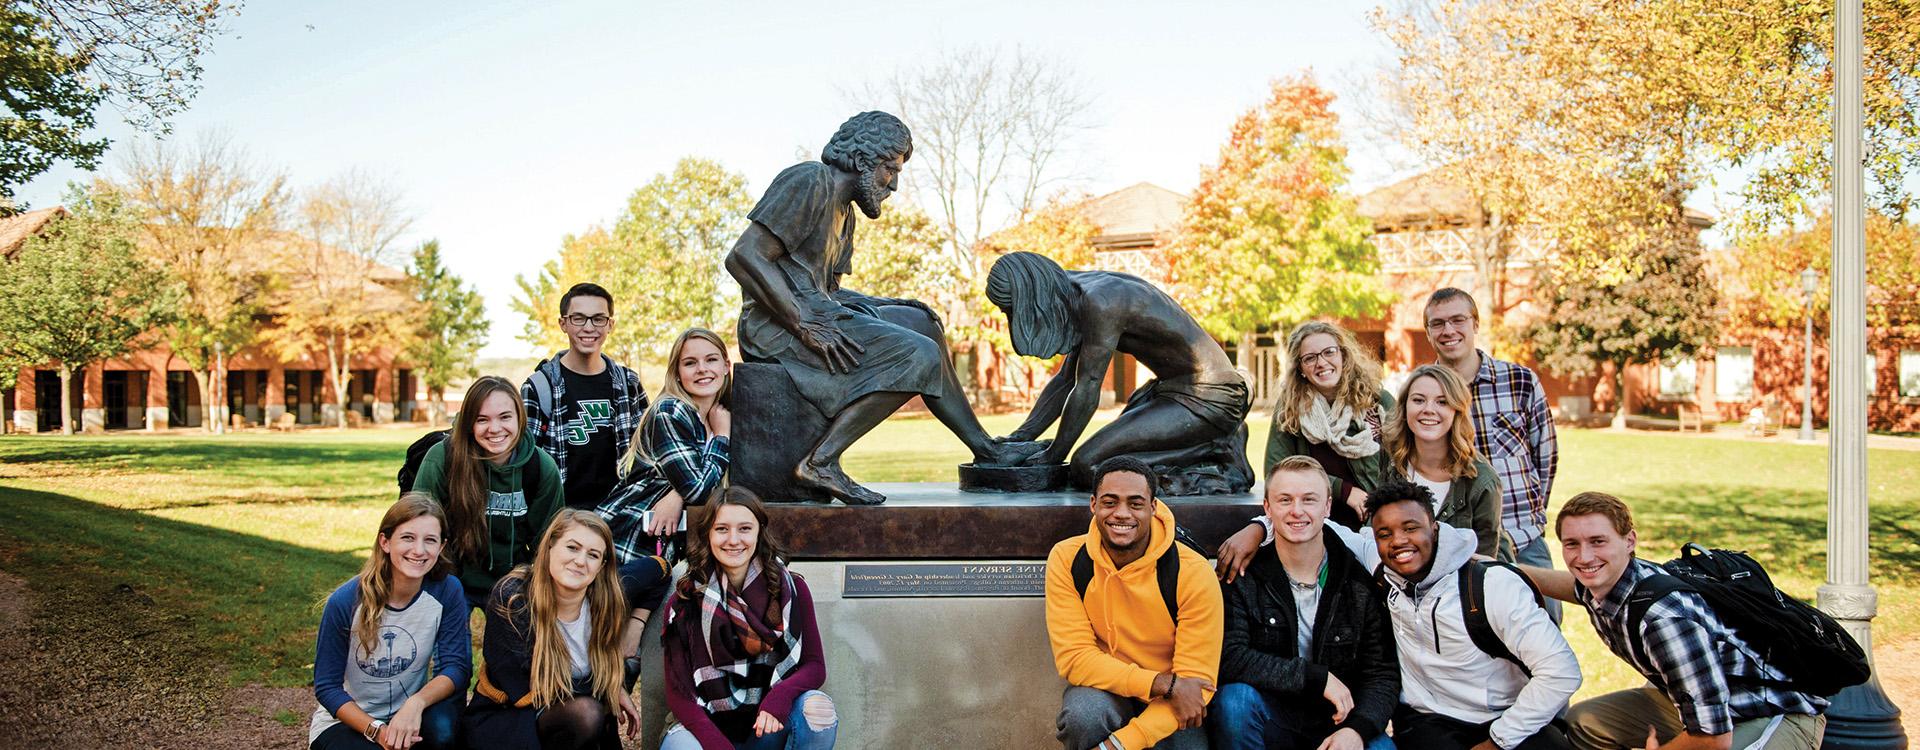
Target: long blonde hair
point(551, 677)
point(1359, 386)
point(671, 387)
point(467, 480)
point(1398, 440)
point(376, 576)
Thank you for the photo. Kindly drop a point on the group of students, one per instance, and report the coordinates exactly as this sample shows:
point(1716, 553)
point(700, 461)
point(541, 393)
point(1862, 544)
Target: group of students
point(1395, 580)
point(556, 509)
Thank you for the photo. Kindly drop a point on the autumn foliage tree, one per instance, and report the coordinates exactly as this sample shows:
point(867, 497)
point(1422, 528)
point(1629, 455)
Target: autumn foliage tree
point(902, 254)
point(1270, 236)
point(1762, 275)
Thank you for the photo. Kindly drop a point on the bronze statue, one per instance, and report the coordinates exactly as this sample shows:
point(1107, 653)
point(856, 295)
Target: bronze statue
point(856, 359)
point(1188, 422)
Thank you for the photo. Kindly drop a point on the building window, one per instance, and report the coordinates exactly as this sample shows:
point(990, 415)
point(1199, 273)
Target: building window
point(1676, 378)
point(1733, 373)
point(1873, 376)
point(1910, 373)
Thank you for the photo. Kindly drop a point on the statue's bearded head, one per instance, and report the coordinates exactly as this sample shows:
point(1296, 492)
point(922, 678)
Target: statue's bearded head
point(874, 146)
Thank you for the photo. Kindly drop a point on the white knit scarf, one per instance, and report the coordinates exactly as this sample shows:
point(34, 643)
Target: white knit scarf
point(1327, 424)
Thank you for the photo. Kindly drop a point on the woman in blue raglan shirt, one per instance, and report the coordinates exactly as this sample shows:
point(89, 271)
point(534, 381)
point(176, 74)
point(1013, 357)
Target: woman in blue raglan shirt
point(393, 656)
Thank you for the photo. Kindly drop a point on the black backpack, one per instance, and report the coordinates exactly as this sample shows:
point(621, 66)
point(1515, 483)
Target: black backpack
point(415, 454)
point(1473, 609)
point(1166, 570)
point(1810, 648)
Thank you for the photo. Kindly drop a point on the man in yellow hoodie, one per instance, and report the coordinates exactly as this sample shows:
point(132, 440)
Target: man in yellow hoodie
point(1139, 654)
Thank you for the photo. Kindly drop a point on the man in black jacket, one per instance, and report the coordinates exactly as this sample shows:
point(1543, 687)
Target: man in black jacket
point(1304, 622)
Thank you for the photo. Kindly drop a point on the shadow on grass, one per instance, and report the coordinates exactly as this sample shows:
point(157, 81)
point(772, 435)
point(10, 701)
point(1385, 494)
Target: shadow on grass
point(236, 604)
point(1786, 530)
point(229, 456)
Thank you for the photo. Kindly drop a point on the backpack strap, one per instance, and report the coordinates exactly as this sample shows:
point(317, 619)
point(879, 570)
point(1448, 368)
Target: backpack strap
point(1650, 589)
point(1082, 571)
point(542, 392)
point(1166, 570)
point(1473, 610)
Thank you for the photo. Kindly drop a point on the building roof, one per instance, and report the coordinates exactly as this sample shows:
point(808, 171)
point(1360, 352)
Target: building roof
point(1135, 215)
point(1435, 199)
point(14, 230)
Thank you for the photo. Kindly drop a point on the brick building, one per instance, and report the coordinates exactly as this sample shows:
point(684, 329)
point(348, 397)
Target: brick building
point(154, 389)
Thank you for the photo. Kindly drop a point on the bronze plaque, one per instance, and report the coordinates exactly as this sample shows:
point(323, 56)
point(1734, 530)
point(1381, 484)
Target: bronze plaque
point(886, 580)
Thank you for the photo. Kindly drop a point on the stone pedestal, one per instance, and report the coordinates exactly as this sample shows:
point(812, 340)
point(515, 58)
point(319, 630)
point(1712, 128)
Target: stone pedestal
point(773, 428)
point(932, 610)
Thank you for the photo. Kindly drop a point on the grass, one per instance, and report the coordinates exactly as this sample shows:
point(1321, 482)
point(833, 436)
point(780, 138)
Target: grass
point(246, 533)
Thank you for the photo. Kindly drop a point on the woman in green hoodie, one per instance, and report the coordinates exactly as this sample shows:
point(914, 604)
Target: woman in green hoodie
point(499, 490)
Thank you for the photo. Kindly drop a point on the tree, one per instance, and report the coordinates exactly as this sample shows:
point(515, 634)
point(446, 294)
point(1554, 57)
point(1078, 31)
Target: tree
point(343, 297)
point(80, 292)
point(1761, 275)
point(1668, 308)
point(59, 59)
point(49, 103)
point(991, 129)
point(209, 210)
point(452, 325)
point(661, 261)
point(902, 254)
point(1270, 236)
point(1548, 103)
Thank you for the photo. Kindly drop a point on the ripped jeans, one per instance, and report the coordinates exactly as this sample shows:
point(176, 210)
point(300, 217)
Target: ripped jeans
point(800, 732)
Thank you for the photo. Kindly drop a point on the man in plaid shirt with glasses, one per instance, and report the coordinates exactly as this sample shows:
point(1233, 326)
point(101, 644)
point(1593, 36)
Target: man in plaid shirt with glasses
point(1511, 424)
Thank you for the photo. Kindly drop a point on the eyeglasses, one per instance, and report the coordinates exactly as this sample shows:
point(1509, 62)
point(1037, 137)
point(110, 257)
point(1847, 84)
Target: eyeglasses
point(1441, 324)
point(582, 321)
point(1330, 354)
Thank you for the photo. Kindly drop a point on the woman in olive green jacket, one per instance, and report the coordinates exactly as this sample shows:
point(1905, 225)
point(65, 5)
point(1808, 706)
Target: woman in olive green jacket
point(1429, 440)
point(1331, 407)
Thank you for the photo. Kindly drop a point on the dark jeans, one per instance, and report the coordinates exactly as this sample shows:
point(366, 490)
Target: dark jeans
point(439, 725)
point(1243, 717)
point(1414, 729)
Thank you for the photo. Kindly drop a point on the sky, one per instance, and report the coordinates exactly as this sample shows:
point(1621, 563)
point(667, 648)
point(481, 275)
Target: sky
point(508, 125)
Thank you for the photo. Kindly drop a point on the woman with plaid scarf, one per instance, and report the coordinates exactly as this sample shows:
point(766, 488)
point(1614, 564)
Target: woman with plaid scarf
point(743, 653)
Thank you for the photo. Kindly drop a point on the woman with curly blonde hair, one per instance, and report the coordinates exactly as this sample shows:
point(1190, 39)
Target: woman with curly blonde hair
point(1331, 407)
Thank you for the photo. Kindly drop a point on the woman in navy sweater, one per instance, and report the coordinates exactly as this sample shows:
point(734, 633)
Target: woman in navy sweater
point(391, 661)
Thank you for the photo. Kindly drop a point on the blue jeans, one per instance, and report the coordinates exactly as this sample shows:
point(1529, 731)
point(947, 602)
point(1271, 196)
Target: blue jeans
point(796, 735)
point(439, 727)
point(1538, 554)
point(1243, 717)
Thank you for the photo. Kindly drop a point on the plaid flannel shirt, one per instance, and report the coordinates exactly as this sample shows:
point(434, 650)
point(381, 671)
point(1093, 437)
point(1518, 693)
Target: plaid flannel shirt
point(549, 430)
point(685, 459)
point(1513, 429)
point(1692, 657)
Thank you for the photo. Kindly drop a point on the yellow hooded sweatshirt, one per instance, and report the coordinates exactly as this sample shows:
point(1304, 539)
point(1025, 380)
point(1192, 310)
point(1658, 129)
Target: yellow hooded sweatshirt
point(1120, 636)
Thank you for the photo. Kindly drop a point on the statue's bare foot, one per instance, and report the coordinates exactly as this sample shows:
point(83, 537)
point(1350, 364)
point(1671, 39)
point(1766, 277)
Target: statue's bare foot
point(1010, 453)
point(831, 480)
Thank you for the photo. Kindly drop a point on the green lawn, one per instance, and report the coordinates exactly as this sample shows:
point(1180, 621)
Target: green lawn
point(244, 534)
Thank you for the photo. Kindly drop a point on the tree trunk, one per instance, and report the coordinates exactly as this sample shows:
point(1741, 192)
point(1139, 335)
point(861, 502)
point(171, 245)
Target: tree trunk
point(438, 399)
point(1619, 396)
point(66, 399)
point(219, 384)
point(207, 412)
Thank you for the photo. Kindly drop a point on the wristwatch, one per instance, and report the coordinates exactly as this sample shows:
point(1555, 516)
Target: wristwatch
point(373, 730)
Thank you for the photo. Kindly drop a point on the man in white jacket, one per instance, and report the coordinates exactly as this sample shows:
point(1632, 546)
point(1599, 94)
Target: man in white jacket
point(1453, 694)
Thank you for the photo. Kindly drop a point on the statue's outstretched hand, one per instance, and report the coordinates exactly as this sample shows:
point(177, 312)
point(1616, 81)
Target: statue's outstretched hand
point(841, 353)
